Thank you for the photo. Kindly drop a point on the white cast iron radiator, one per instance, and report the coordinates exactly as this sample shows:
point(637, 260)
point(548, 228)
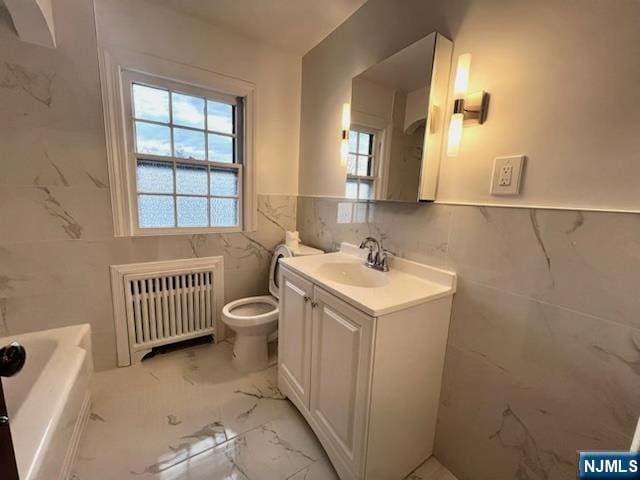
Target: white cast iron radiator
point(157, 303)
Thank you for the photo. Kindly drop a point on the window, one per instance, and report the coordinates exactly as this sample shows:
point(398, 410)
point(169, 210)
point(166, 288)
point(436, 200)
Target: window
point(188, 160)
point(361, 164)
point(180, 147)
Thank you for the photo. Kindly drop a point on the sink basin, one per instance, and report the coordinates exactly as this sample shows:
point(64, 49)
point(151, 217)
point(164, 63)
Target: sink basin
point(375, 293)
point(353, 274)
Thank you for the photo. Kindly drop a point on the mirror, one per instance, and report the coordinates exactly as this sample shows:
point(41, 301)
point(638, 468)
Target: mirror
point(397, 124)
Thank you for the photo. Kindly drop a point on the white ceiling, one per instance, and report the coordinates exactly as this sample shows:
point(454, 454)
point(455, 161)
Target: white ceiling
point(292, 25)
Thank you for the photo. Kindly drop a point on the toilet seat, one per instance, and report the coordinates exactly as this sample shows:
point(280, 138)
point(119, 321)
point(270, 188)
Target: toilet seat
point(255, 319)
point(248, 318)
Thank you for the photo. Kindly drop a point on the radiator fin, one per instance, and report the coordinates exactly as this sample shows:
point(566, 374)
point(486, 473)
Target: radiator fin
point(169, 306)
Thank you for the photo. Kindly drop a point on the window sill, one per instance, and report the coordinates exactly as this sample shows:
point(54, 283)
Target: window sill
point(153, 232)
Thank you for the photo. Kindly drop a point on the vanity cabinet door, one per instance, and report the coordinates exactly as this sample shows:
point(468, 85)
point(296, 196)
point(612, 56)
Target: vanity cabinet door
point(341, 363)
point(294, 336)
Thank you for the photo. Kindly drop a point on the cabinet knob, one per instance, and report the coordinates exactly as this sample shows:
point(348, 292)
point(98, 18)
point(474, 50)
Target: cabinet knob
point(306, 299)
point(314, 304)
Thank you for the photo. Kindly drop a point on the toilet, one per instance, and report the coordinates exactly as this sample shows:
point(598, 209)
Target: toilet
point(255, 319)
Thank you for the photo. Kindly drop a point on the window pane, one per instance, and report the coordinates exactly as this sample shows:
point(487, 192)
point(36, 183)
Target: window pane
point(224, 183)
point(187, 110)
point(353, 141)
point(352, 189)
point(191, 180)
point(219, 117)
point(150, 103)
point(192, 212)
point(363, 165)
point(365, 144)
point(154, 177)
point(366, 191)
point(153, 139)
point(220, 148)
point(155, 211)
point(188, 144)
point(224, 212)
point(351, 165)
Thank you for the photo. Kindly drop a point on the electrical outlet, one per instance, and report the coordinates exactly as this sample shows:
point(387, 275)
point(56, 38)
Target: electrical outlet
point(505, 175)
point(507, 172)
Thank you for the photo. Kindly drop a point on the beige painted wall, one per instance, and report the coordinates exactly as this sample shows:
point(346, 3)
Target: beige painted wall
point(145, 27)
point(562, 75)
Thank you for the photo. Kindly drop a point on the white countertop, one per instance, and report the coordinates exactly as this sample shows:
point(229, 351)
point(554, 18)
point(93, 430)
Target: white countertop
point(406, 283)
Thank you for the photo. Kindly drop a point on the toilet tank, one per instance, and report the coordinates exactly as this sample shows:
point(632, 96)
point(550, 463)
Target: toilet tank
point(282, 251)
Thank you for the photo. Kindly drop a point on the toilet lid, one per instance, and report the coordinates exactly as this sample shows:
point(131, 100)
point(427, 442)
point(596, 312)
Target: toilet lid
point(281, 251)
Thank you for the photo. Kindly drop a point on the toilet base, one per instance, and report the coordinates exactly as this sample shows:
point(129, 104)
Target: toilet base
point(250, 353)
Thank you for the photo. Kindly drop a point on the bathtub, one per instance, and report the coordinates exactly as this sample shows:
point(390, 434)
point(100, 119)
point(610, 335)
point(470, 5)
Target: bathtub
point(48, 401)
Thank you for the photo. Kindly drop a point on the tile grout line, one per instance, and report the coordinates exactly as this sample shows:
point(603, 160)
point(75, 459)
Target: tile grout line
point(554, 305)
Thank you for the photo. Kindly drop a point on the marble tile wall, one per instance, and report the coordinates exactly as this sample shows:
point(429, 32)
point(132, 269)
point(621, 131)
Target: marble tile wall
point(544, 346)
point(56, 233)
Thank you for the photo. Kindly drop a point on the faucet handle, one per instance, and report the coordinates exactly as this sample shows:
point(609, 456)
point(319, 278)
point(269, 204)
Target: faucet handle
point(383, 261)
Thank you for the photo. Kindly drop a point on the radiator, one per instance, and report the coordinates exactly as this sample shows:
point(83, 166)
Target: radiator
point(158, 303)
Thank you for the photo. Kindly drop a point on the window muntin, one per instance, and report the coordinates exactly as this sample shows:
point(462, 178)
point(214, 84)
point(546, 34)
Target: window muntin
point(188, 158)
point(361, 162)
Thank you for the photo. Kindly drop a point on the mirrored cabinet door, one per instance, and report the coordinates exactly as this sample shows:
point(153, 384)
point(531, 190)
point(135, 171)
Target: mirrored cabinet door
point(396, 133)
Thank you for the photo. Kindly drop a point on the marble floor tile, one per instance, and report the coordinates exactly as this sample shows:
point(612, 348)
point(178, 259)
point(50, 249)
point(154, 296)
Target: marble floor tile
point(273, 451)
point(318, 470)
point(188, 415)
point(186, 412)
point(432, 469)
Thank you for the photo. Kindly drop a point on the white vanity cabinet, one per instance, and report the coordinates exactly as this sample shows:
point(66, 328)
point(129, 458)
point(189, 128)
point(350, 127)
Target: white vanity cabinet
point(368, 385)
point(340, 373)
point(294, 336)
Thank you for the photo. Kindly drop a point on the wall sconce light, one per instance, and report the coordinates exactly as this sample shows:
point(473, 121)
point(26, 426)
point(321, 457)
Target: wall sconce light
point(467, 109)
point(346, 120)
point(346, 126)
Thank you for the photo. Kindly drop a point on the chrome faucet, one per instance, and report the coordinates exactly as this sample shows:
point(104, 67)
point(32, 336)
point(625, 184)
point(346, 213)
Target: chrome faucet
point(379, 260)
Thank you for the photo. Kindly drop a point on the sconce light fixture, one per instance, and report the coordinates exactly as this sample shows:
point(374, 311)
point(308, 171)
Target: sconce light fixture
point(346, 126)
point(467, 109)
point(346, 120)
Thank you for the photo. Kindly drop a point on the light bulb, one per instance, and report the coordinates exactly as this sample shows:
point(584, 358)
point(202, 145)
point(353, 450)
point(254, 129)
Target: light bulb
point(346, 117)
point(455, 134)
point(461, 82)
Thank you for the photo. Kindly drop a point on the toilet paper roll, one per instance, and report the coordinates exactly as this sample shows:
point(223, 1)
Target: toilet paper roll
point(292, 239)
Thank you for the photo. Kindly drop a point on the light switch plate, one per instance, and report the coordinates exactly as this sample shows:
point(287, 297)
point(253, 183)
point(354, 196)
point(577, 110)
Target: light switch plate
point(507, 172)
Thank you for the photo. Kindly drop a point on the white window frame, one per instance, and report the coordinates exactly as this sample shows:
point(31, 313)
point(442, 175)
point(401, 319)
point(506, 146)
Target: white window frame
point(118, 68)
point(373, 158)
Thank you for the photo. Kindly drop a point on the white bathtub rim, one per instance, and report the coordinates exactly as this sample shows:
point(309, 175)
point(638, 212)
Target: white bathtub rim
point(74, 444)
point(53, 416)
point(33, 426)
